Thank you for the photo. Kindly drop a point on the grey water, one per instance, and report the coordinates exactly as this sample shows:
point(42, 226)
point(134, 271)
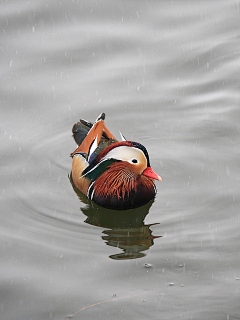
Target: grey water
point(166, 73)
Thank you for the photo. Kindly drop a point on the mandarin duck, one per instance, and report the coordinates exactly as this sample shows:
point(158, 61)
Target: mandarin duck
point(114, 174)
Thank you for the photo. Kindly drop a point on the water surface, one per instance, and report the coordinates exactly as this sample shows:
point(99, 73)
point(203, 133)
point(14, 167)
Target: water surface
point(166, 73)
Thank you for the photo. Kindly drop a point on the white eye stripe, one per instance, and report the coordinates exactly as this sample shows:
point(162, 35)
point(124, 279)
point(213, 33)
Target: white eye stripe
point(134, 160)
point(125, 153)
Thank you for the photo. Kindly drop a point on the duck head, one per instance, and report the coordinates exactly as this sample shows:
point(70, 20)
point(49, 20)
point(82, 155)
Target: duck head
point(121, 176)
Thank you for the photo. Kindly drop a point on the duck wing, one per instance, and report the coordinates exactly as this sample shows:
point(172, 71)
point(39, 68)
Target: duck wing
point(85, 133)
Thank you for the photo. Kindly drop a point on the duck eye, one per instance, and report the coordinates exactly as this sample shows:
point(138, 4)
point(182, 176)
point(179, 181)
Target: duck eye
point(134, 161)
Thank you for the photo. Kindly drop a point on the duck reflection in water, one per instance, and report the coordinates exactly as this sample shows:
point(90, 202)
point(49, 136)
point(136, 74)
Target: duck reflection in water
point(124, 229)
